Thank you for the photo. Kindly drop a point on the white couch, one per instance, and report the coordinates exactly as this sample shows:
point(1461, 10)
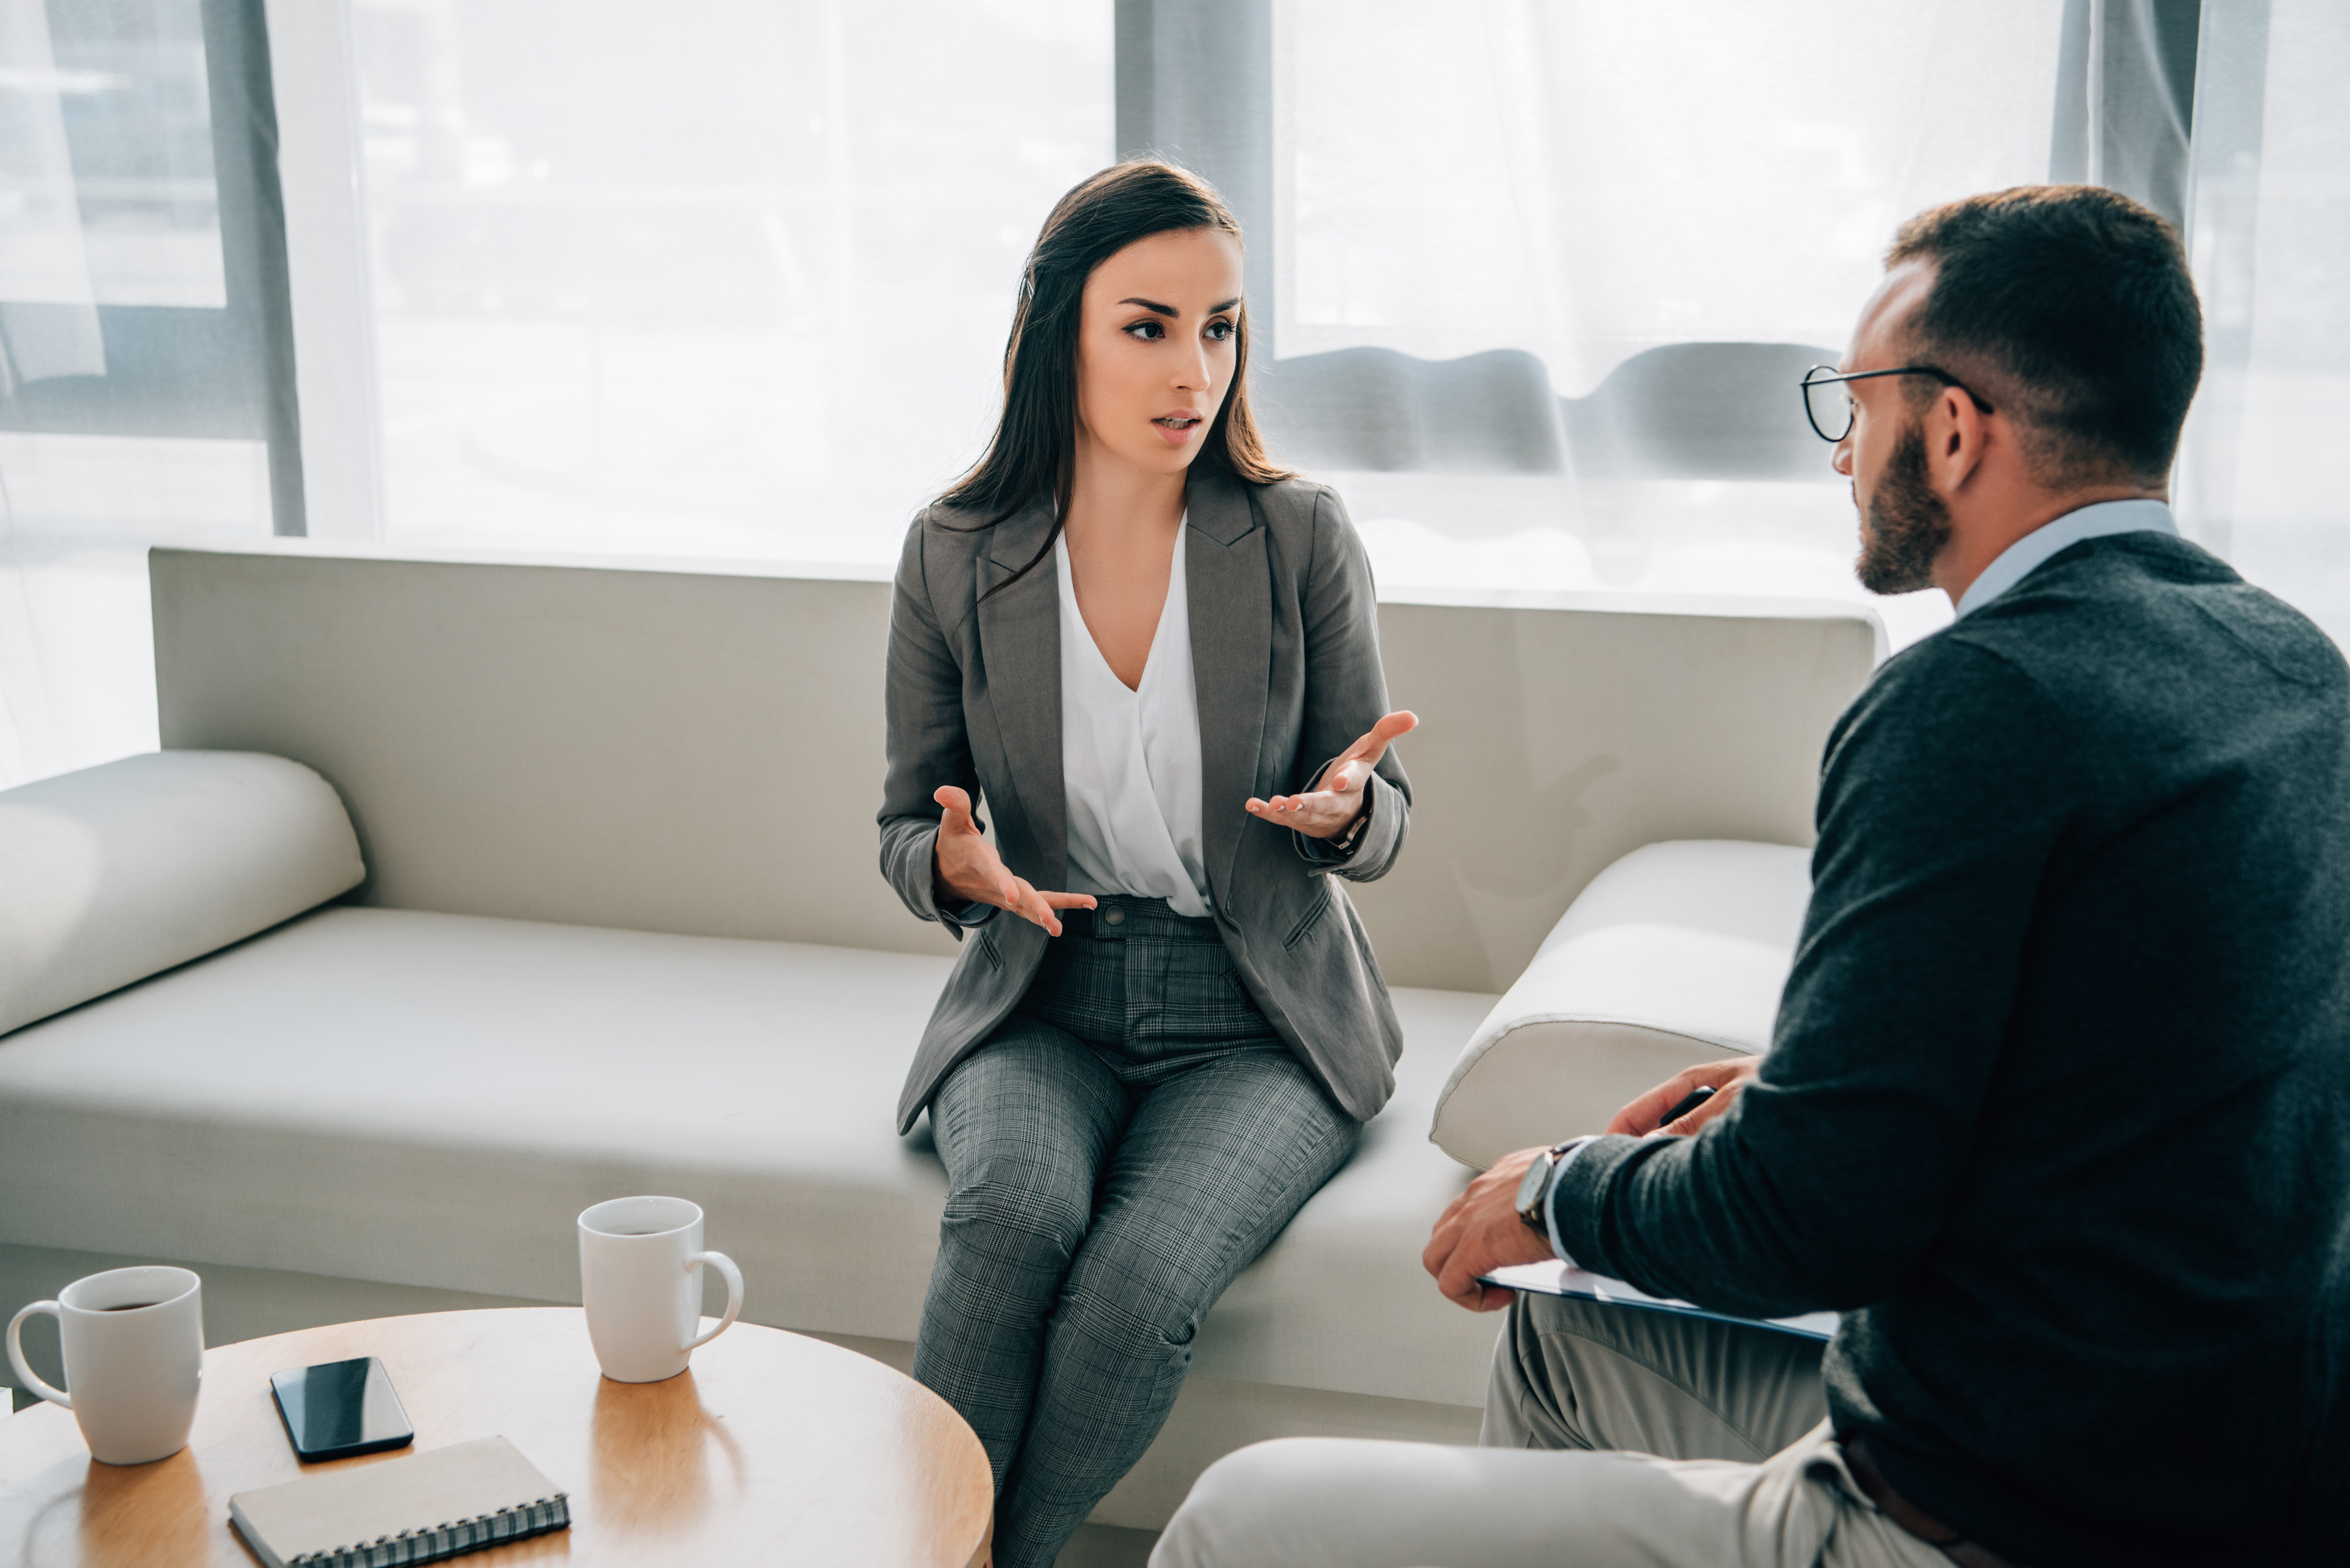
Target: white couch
point(621, 930)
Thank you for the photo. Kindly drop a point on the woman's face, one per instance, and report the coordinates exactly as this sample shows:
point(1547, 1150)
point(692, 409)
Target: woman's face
point(1157, 338)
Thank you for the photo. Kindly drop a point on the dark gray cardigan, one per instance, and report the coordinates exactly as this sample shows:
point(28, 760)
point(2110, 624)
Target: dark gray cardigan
point(1286, 663)
point(2058, 1107)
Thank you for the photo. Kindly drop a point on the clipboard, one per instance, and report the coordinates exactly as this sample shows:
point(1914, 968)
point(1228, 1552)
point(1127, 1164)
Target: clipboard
point(1558, 1279)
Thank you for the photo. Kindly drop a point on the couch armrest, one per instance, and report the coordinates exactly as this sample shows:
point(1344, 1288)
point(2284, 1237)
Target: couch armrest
point(1674, 954)
point(119, 872)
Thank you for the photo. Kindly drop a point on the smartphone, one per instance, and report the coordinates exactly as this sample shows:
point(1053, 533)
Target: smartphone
point(339, 1408)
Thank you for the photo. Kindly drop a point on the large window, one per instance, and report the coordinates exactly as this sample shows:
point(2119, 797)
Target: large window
point(734, 278)
point(1667, 211)
point(106, 151)
point(717, 278)
point(141, 347)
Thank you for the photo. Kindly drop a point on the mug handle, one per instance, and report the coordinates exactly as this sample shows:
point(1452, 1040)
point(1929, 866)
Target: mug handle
point(719, 1261)
point(16, 1352)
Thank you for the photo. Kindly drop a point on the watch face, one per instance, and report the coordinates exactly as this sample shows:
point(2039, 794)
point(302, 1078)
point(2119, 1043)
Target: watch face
point(1530, 1188)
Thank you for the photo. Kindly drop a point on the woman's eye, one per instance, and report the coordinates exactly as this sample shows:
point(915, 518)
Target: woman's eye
point(1148, 331)
point(1218, 331)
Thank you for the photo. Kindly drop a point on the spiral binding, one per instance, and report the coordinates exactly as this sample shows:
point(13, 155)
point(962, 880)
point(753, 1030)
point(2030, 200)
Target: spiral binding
point(447, 1539)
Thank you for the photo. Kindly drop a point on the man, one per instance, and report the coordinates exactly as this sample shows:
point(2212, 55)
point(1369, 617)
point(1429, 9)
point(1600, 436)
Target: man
point(2057, 1110)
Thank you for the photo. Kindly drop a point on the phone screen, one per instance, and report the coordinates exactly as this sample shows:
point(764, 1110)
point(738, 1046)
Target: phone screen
point(341, 1407)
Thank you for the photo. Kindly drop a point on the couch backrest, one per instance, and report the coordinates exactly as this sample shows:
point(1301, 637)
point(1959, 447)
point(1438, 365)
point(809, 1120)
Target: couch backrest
point(701, 751)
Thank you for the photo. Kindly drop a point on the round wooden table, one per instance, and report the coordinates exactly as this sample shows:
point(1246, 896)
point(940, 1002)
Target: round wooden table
point(774, 1448)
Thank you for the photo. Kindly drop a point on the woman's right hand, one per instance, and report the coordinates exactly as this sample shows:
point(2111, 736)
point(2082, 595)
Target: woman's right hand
point(966, 865)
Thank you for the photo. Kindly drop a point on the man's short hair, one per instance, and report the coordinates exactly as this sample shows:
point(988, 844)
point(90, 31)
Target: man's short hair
point(2078, 298)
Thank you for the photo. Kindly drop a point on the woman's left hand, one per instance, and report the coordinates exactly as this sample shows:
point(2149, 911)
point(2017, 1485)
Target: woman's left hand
point(1336, 797)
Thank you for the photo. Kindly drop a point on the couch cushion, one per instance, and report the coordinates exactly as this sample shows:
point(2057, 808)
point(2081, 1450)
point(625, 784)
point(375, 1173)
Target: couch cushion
point(119, 872)
point(430, 1099)
point(1673, 955)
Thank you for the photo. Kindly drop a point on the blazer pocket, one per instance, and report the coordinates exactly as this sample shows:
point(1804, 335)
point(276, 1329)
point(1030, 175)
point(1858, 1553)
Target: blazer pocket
point(987, 945)
point(1311, 918)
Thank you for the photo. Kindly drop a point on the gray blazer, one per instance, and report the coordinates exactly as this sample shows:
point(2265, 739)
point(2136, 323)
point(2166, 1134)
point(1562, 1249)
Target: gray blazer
point(1285, 660)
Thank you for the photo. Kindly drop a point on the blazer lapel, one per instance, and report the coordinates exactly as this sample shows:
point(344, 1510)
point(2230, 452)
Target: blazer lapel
point(1020, 649)
point(1230, 591)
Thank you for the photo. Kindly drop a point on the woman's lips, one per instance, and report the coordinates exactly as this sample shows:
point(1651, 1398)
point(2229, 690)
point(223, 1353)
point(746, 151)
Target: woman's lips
point(1177, 428)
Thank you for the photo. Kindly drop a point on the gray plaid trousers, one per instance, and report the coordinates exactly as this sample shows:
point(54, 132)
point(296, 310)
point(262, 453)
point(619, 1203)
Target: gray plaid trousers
point(1116, 1152)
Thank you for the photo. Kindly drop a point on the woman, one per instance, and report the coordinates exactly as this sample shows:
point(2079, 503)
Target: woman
point(1131, 634)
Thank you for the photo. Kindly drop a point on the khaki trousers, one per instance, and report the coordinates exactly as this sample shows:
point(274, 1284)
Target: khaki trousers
point(1613, 1436)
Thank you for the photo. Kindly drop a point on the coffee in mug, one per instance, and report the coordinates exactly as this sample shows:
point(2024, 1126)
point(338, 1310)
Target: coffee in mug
point(134, 1354)
point(641, 1280)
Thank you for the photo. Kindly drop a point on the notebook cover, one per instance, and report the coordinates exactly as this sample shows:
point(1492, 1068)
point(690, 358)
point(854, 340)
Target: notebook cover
point(420, 1508)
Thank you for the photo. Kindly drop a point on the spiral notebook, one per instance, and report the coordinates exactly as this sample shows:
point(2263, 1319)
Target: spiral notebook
point(418, 1507)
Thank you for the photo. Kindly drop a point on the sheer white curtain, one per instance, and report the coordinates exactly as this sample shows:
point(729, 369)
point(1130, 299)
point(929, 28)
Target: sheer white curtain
point(718, 277)
point(2260, 478)
point(1585, 180)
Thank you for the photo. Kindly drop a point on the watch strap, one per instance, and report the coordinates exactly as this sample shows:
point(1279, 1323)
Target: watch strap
point(1342, 844)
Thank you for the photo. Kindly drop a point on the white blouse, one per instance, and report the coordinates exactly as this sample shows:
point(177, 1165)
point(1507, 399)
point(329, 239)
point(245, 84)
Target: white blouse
point(1130, 760)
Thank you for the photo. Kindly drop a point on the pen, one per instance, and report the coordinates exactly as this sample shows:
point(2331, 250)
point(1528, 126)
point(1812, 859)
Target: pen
point(1696, 1098)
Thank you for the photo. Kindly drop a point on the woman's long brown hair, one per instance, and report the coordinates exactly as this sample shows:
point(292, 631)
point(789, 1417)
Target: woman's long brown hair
point(1034, 450)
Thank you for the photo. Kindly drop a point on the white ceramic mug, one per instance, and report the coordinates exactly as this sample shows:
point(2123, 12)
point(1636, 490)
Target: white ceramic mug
point(134, 1345)
point(639, 1278)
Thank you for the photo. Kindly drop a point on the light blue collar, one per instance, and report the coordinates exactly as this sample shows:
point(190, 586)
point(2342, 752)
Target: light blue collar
point(2020, 559)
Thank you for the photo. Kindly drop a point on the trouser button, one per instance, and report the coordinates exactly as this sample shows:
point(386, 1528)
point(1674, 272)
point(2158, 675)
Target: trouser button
point(1115, 916)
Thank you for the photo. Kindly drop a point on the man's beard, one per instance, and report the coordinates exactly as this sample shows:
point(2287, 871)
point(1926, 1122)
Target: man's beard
point(1904, 524)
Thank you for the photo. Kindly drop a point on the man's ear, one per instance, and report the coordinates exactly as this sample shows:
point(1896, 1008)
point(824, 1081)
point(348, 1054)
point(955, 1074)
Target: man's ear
point(1956, 441)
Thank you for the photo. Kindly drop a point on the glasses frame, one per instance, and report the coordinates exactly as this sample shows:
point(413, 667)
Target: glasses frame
point(1813, 378)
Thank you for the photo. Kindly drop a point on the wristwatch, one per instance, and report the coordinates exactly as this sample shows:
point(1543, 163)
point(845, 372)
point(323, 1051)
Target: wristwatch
point(1534, 1191)
point(1343, 844)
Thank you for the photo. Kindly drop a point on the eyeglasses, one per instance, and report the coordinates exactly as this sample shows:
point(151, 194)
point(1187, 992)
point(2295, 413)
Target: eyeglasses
point(1827, 402)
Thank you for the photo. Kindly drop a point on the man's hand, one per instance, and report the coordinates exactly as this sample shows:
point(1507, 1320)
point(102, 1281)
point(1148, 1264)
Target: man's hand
point(1336, 797)
point(1638, 1119)
point(966, 865)
point(1480, 1232)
